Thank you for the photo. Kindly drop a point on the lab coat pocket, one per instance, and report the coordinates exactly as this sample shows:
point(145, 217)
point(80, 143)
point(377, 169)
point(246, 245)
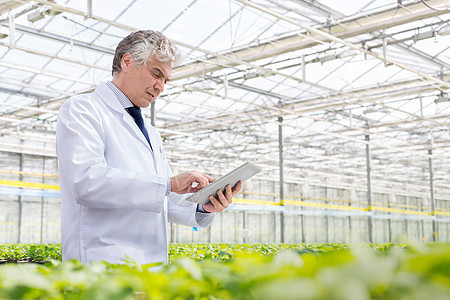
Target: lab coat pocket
point(115, 254)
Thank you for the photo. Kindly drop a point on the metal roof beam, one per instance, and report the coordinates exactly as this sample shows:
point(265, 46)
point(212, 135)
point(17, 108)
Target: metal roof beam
point(318, 8)
point(422, 55)
point(46, 73)
point(327, 11)
point(74, 61)
point(377, 21)
point(320, 35)
point(63, 39)
point(22, 92)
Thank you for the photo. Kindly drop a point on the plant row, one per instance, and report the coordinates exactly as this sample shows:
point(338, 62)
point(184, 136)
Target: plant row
point(412, 272)
point(222, 252)
point(29, 252)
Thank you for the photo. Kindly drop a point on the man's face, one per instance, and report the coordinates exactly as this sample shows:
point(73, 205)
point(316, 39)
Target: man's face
point(143, 85)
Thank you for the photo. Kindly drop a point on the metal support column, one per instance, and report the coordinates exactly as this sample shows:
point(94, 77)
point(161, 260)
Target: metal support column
point(304, 194)
point(19, 221)
point(352, 200)
point(369, 187)
point(244, 223)
point(41, 238)
point(280, 148)
point(421, 221)
point(327, 238)
point(430, 163)
point(302, 223)
point(407, 200)
point(89, 9)
point(389, 220)
point(209, 234)
point(275, 217)
point(12, 30)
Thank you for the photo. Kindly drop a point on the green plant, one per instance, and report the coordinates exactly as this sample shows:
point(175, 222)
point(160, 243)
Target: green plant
point(284, 272)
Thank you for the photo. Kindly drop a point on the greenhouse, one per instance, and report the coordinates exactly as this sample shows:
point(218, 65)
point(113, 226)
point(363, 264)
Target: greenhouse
point(343, 106)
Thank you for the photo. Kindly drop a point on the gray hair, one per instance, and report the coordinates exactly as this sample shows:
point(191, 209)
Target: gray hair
point(143, 44)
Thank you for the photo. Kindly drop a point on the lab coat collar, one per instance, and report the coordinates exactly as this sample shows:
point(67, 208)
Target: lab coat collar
point(110, 99)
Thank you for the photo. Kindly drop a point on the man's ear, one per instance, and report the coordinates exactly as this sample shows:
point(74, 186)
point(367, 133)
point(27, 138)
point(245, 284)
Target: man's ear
point(125, 62)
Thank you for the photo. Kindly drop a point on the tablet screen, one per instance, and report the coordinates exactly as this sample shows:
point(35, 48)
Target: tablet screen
point(241, 173)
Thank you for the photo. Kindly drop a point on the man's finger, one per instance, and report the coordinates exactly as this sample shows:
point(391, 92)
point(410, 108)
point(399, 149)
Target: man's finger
point(210, 179)
point(223, 200)
point(215, 202)
point(202, 180)
point(229, 194)
point(194, 190)
point(237, 187)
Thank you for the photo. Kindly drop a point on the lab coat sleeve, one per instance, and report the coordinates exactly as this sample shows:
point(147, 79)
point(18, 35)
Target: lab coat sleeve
point(185, 212)
point(80, 149)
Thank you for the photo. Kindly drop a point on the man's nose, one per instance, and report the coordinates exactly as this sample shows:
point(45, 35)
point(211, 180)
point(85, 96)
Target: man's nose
point(159, 85)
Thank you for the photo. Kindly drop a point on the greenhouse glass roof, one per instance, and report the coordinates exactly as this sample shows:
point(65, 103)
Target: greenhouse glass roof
point(338, 76)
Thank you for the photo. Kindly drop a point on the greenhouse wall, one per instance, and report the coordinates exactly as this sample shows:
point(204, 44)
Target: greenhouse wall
point(312, 213)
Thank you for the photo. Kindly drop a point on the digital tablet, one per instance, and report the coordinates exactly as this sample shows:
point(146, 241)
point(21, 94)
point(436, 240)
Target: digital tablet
point(241, 173)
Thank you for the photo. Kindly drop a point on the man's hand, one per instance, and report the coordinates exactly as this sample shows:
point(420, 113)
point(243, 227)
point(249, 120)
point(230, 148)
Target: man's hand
point(218, 205)
point(182, 184)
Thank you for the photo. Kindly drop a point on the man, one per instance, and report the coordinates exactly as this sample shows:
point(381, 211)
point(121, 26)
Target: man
point(118, 192)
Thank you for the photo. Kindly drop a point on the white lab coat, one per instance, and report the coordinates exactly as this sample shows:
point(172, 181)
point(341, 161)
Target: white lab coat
point(113, 185)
